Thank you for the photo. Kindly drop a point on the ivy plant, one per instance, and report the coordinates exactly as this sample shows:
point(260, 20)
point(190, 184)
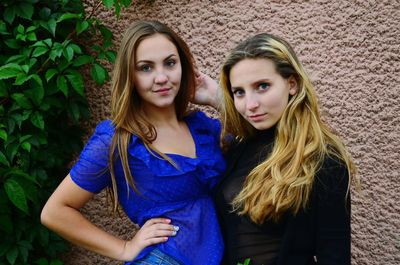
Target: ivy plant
point(44, 45)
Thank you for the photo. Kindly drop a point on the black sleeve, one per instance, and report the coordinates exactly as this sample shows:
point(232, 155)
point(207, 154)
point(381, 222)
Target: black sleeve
point(332, 214)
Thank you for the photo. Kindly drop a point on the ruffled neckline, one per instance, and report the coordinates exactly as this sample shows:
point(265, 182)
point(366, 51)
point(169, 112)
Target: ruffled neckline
point(202, 139)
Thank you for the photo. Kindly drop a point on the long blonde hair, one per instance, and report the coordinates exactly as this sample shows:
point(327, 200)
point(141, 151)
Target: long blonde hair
point(283, 182)
point(126, 106)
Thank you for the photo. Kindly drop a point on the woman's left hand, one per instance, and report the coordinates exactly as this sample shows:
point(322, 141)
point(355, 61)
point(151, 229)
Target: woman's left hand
point(206, 91)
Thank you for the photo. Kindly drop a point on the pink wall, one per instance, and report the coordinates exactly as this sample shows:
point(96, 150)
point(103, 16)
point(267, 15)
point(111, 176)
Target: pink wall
point(351, 50)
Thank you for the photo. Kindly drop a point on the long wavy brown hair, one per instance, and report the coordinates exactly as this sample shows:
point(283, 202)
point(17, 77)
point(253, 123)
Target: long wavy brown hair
point(126, 106)
point(283, 182)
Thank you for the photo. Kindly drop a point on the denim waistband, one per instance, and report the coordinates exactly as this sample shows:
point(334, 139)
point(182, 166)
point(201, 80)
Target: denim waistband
point(157, 257)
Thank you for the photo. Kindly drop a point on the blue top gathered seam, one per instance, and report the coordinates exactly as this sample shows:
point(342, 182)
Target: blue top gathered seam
point(181, 194)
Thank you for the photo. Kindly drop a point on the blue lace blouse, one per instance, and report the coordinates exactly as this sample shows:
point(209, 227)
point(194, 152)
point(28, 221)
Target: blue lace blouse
point(183, 194)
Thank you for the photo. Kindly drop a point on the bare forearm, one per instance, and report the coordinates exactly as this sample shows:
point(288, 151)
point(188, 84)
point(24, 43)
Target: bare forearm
point(74, 227)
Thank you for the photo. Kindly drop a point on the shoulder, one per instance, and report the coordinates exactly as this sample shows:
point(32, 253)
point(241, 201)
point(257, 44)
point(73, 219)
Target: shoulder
point(105, 127)
point(102, 135)
point(332, 175)
point(201, 121)
point(199, 116)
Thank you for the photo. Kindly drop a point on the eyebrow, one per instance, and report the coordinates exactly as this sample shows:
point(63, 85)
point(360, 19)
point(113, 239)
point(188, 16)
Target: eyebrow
point(166, 58)
point(259, 81)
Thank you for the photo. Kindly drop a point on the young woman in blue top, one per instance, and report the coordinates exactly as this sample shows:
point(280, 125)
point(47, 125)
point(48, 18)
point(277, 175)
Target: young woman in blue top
point(158, 160)
point(284, 198)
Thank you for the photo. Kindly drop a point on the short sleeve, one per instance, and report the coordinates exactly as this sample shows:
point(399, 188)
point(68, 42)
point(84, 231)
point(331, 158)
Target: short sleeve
point(91, 171)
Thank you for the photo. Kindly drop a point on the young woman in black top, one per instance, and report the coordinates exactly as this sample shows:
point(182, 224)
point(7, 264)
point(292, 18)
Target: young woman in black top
point(285, 197)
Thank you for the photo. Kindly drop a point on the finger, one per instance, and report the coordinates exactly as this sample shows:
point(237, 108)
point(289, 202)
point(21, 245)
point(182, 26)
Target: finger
point(156, 220)
point(156, 240)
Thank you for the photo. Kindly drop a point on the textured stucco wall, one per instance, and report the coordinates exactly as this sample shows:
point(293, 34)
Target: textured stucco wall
point(351, 50)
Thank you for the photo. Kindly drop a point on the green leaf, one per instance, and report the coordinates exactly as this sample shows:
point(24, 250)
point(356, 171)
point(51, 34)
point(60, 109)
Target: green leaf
point(111, 56)
point(11, 150)
point(105, 32)
point(16, 58)
point(3, 89)
point(31, 36)
point(76, 48)
point(108, 3)
point(52, 24)
point(3, 28)
point(39, 51)
point(26, 114)
point(67, 16)
point(74, 109)
point(6, 224)
point(9, 70)
point(44, 13)
point(21, 78)
point(68, 53)
point(26, 146)
point(12, 255)
point(25, 10)
point(99, 73)
point(9, 14)
point(16, 195)
point(3, 159)
point(36, 93)
point(43, 236)
point(21, 29)
point(3, 134)
point(37, 120)
point(12, 43)
point(31, 28)
point(83, 59)
point(21, 100)
point(62, 84)
point(50, 73)
point(81, 26)
point(76, 80)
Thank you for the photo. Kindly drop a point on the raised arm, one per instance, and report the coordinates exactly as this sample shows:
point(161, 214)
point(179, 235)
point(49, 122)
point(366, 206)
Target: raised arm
point(61, 214)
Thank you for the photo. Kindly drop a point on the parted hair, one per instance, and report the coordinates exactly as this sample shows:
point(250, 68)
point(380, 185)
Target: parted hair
point(126, 106)
point(283, 182)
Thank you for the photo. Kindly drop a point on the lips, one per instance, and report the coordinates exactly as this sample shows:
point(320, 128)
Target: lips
point(162, 90)
point(257, 117)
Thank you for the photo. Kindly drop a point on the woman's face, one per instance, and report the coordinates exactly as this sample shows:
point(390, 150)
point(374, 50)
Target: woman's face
point(260, 93)
point(158, 72)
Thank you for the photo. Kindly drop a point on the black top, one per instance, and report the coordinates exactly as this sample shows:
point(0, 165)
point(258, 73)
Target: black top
point(322, 232)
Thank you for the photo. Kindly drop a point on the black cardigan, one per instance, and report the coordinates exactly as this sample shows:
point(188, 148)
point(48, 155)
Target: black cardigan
point(320, 234)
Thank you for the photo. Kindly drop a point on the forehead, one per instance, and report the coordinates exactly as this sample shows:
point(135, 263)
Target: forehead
point(248, 71)
point(155, 47)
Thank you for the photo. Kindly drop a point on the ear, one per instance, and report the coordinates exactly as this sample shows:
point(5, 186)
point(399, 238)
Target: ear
point(293, 86)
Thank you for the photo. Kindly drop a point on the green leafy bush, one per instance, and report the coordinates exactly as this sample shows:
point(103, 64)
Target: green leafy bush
point(42, 102)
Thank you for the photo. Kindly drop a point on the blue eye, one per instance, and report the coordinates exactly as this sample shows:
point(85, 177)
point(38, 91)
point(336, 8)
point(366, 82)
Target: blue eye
point(238, 92)
point(263, 86)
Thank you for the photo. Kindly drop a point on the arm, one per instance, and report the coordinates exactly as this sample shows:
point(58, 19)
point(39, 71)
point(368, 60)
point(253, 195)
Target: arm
point(61, 214)
point(333, 215)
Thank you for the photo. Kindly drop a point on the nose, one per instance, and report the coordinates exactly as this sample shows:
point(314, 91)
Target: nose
point(161, 77)
point(252, 102)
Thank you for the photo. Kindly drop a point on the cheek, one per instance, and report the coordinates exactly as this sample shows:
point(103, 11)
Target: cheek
point(239, 106)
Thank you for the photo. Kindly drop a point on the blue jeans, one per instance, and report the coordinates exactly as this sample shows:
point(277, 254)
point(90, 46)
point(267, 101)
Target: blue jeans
point(156, 257)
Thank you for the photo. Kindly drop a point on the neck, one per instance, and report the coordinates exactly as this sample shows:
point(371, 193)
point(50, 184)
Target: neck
point(161, 117)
